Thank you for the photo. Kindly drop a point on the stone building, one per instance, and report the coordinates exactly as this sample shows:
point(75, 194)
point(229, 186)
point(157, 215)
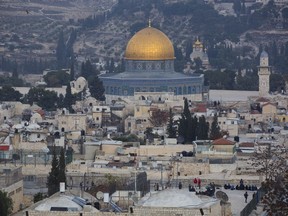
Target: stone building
point(11, 181)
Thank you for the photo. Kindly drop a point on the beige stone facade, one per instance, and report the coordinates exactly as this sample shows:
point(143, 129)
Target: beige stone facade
point(12, 183)
point(72, 122)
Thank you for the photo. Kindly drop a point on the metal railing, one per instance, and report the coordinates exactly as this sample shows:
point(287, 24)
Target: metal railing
point(253, 203)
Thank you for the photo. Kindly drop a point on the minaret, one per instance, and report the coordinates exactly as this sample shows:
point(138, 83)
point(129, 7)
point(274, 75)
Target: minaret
point(264, 71)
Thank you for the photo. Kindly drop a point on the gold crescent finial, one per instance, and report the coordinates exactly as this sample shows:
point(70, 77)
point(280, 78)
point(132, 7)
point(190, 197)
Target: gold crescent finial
point(149, 22)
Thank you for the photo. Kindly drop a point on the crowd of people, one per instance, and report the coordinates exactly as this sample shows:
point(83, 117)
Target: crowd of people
point(241, 186)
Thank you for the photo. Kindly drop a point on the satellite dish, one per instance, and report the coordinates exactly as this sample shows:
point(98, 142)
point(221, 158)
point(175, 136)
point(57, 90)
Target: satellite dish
point(222, 196)
point(99, 195)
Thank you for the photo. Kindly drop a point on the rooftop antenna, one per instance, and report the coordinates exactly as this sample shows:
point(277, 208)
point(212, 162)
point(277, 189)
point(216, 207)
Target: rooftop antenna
point(149, 23)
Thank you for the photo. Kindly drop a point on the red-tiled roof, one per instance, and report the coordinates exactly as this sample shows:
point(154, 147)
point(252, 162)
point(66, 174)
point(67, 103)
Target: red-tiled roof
point(246, 144)
point(200, 108)
point(222, 141)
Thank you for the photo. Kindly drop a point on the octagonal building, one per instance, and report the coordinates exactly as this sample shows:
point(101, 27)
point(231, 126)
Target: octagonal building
point(149, 69)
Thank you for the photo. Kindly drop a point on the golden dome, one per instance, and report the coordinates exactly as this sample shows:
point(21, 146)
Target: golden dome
point(198, 44)
point(149, 44)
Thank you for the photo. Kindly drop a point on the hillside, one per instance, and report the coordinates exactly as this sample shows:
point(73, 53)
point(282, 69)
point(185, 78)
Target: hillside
point(30, 29)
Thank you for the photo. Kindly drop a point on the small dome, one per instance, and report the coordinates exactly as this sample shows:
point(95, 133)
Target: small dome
point(264, 54)
point(149, 44)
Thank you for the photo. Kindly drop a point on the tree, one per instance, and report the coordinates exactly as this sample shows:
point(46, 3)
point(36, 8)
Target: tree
point(87, 70)
point(38, 197)
point(171, 130)
point(52, 180)
point(96, 88)
point(6, 204)
point(15, 72)
point(7, 93)
point(149, 134)
point(72, 70)
point(272, 163)
point(62, 167)
point(237, 6)
point(57, 78)
point(159, 118)
point(48, 100)
point(215, 132)
point(187, 124)
point(68, 100)
point(44, 98)
point(61, 52)
point(202, 129)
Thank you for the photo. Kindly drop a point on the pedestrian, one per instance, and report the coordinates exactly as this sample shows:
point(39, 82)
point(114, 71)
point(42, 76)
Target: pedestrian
point(246, 196)
point(199, 183)
point(157, 187)
point(180, 185)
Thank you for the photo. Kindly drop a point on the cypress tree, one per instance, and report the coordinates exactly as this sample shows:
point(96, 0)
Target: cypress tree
point(202, 129)
point(96, 88)
point(61, 51)
point(68, 100)
point(72, 70)
point(52, 180)
point(187, 124)
point(170, 127)
point(6, 204)
point(215, 132)
point(62, 167)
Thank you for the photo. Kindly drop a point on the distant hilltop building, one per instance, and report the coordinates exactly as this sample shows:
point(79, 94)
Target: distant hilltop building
point(149, 62)
point(264, 71)
point(200, 52)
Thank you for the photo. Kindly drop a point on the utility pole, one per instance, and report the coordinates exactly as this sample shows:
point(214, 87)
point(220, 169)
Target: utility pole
point(177, 173)
point(162, 176)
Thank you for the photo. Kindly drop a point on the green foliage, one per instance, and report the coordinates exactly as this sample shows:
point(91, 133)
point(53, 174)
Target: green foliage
point(171, 130)
point(220, 80)
point(7, 93)
point(57, 78)
point(202, 128)
point(44, 98)
point(187, 124)
point(129, 138)
point(276, 82)
point(38, 197)
point(72, 71)
point(62, 167)
point(52, 181)
point(61, 52)
point(237, 6)
point(11, 81)
point(96, 88)
point(69, 99)
point(57, 173)
point(215, 132)
point(6, 204)
point(87, 70)
point(179, 60)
